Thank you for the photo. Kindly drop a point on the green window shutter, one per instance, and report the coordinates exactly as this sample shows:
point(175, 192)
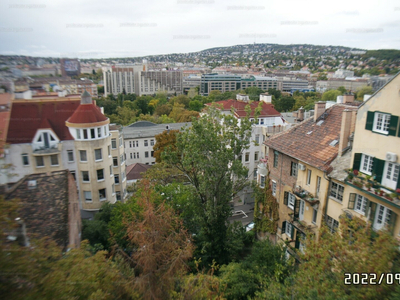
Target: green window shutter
point(394, 120)
point(297, 242)
point(370, 120)
point(352, 200)
point(377, 169)
point(398, 131)
point(392, 222)
point(372, 209)
point(357, 161)
point(398, 182)
point(296, 209)
point(285, 198)
point(283, 227)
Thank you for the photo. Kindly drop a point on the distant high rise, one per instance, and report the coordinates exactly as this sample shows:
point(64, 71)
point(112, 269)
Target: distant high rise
point(70, 67)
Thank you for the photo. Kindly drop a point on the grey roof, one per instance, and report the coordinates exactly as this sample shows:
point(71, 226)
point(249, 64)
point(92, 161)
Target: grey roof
point(146, 130)
point(339, 165)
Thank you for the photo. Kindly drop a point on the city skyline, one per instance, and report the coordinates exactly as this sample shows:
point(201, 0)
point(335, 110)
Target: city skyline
point(96, 29)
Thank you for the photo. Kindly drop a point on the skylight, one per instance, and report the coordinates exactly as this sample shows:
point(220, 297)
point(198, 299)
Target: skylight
point(320, 122)
point(334, 143)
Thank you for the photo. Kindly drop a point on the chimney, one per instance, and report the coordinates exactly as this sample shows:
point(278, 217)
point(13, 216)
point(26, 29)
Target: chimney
point(266, 98)
point(348, 98)
point(300, 116)
point(319, 109)
point(347, 127)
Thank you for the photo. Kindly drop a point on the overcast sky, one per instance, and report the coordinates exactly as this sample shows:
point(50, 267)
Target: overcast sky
point(123, 28)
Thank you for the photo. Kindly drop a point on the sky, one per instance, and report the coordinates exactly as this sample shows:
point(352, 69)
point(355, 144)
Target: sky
point(129, 28)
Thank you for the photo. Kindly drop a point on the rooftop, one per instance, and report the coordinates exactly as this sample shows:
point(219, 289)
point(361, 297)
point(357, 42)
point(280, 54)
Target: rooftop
point(313, 142)
point(267, 110)
point(144, 129)
point(134, 171)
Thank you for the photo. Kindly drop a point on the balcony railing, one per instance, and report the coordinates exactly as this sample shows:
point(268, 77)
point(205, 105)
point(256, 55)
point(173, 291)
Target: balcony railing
point(367, 184)
point(305, 195)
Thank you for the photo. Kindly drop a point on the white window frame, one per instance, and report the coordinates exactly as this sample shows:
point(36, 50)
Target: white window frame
point(80, 155)
point(262, 181)
point(335, 191)
point(39, 166)
point(385, 122)
point(151, 142)
point(95, 154)
point(361, 202)
point(25, 155)
point(294, 169)
point(97, 175)
point(287, 230)
point(309, 173)
point(314, 216)
point(256, 156)
point(87, 199)
point(367, 160)
point(70, 153)
point(113, 142)
point(273, 187)
point(105, 195)
point(291, 201)
point(51, 160)
point(247, 157)
point(83, 177)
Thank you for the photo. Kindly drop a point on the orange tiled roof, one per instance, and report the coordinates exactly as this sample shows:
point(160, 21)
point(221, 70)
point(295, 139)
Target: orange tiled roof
point(267, 110)
point(310, 142)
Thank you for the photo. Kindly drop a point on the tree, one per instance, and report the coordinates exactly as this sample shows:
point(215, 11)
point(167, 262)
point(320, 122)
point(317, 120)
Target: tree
point(124, 116)
point(207, 154)
point(163, 246)
point(367, 90)
point(321, 274)
point(181, 99)
point(284, 103)
point(165, 141)
point(331, 95)
point(164, 109)
point(195, 105)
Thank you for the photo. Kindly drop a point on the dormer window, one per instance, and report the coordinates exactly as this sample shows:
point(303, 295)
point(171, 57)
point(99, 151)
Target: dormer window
point(44, 139)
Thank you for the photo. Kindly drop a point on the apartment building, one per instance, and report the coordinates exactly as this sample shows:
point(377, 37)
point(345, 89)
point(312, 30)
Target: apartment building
point(261, 82)
point(220, 82)
point(53, 135)
point(371, 189)
point(299, 162)
point(150, 82)
point(139, 139)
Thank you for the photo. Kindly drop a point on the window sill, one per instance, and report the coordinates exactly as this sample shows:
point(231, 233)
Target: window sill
point(98, 160)
point(104, 199)
point(336, 200)
point(37, 167)
point(100, 180)
point(88, 201)
point(54, 166)
point(83, 161)
point(85, 181)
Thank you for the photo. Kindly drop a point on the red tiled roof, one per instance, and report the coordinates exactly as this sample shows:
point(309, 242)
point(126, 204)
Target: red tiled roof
point(267, 110)
point(27, 117)
point(309, 142)
point(134, 171)
point(4, 117)
point(5, 99)
point(87, 113)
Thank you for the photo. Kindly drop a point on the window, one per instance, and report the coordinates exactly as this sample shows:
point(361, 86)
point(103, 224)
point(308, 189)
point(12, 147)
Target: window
point(85, 176)
point(118, 196)
point(291, 201)
point(88, 196)
point(54, 159)
point(314, 216)
point(383, 217)
point(308, 177)
point(70, 154)
point(100, 174)
point(333, 225)
point(262, 181)
point(105, 130)
point(276, 156)
point(146, 143)
point(293, 169)
point(257, 138)
point(92, 133)
point(78, 134)
point(109, 150)
point(111, 170)
point(113, 188)
point(102, 194)
point(131, 155)
point(39, 161)
point(273, 188)
point(152, 153)
point(122, 159)
point(123, 176)
point(115, 161)
point(25, 159)
point(85, 135)
point(146, 154)
point(137, 155)
point(82, 155)
point(360, 205)
point(99, 132)
point(256, 156)
point(255, 173)
point(130, 144)
point(151, 142)
point(97, 154)
point(247, 157)
point(120, 141)
point(318, 185)
point(381, 123)
point(116, 179)
point(262, 121)
point(366, 164)
point(337, 191)
point(113, 143)
point(137, 143)
point(289, 229)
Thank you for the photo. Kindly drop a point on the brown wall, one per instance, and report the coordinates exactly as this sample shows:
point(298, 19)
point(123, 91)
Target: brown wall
point(74, 214)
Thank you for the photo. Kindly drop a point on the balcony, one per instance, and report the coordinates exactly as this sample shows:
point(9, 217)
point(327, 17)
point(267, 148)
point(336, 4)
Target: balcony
point(263, 167)
point(369, 185)
point(54, 149)
point(305, 195)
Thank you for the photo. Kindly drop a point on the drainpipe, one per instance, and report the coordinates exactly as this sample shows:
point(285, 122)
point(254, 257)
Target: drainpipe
point(327, 195)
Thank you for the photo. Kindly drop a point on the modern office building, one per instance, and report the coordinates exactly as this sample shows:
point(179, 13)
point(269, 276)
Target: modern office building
point(222, 83)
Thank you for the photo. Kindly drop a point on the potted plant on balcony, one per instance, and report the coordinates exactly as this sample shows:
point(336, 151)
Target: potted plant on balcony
point(355, 172)
point(368, 186)
point(358, 183)
point(350, 177)
point(393, 196)
point(377, 191)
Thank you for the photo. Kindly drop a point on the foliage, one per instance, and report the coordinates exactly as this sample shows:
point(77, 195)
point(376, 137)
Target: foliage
point(165, 141)
point(180, 114)
point(164, 109)
point(331, 95)
point(367, 90)
point(284, 103)
point(324, 263)
point(265, 264)
point(207, 154)
point(163, 246)
point(266, 209)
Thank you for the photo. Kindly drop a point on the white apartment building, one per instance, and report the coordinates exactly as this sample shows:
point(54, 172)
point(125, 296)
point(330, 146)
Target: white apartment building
point(139, 139)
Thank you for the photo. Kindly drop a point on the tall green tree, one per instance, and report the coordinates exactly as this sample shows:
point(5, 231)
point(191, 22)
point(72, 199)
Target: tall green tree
point(207, 154)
